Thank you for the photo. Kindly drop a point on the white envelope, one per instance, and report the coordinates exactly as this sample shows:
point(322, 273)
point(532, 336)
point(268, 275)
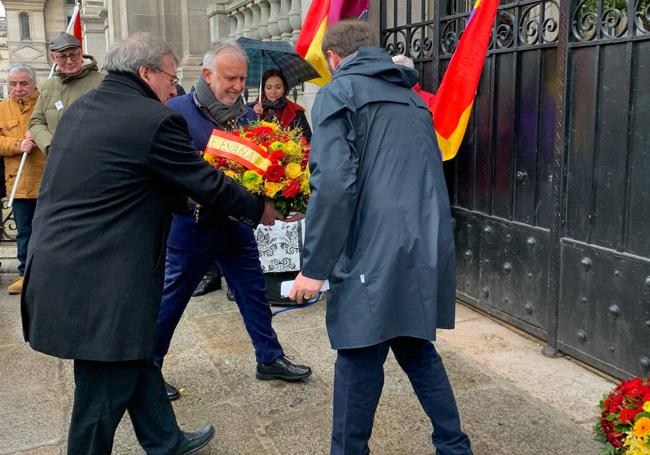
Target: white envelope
point(285, 287)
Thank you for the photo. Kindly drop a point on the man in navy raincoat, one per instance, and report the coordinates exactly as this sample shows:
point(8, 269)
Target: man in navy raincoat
point(379, 228)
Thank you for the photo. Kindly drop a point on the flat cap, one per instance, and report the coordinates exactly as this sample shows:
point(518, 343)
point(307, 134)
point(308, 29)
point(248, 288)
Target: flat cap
point(63, 41)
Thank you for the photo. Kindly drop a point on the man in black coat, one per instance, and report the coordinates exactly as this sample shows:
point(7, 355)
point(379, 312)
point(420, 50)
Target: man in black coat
point(119, 163)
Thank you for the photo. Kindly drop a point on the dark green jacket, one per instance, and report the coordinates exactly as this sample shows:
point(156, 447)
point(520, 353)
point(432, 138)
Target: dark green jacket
point(65, 88)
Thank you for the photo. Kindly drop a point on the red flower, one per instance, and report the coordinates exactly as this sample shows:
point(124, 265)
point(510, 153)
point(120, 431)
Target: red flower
point(627, 415)
point(236, 133)
point(277, 156)
point(274, 173)
point(633, 392)
point(262, 131)
point(291, 190)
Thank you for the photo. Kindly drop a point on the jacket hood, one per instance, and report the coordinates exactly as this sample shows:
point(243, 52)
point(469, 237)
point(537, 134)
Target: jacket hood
point(89, 64)
point(375, 62)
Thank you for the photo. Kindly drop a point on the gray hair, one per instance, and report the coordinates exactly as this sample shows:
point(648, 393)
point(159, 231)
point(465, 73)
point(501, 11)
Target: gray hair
point(22, 68)
point(403, 60)
point(135, 51)
point(222, 47)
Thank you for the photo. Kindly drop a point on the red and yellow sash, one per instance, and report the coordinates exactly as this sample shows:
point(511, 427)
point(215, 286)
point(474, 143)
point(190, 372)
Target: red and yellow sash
point(249, 155)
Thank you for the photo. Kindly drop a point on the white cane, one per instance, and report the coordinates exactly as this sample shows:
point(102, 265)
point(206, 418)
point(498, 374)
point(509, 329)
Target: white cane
point(23, 160)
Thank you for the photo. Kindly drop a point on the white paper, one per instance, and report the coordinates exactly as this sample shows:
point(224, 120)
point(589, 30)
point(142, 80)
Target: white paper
point(58, 105)
point(285, 287)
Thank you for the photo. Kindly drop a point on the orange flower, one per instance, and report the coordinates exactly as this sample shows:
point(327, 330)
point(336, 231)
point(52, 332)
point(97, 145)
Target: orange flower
point(642, 427)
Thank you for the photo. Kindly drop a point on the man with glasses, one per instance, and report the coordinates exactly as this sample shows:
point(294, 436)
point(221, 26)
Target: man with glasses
point(120, 163)
point(75, 75)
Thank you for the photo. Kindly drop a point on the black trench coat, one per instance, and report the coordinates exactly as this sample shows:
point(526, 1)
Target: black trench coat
point(119, 162)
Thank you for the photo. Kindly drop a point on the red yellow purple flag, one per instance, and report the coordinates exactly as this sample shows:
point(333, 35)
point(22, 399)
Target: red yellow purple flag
point(457, 90)
point(322, 14)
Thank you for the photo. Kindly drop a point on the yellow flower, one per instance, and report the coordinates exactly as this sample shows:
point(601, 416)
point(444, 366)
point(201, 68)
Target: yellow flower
point(304, 185)
point(251, 180)
point(271, 188)
point(292, 147)
point(210, 158)
point(231, 174)
point(641, 427)
point(272, 125)
point(646, 406)
point(636, 446)
point(292, 170)
point(277, 145)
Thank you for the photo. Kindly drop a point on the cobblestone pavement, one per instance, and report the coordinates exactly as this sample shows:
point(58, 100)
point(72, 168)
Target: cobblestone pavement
point(512, 399)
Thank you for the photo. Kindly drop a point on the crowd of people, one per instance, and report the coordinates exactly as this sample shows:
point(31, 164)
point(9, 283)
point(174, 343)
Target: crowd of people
point(119, 220)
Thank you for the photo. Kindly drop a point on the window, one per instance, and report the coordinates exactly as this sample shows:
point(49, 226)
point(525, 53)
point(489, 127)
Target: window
point(69, 9)
point(23, 19)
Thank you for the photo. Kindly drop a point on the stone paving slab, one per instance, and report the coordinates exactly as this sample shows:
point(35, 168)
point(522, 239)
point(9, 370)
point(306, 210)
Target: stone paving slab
point(496, 374)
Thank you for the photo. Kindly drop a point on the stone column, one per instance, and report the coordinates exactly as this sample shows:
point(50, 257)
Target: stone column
point(232, 20)
point(263, 29)
point(255, 25)
point(274, 18)
point(248, 21)
point(33, 50)
point(94, 17)
point(295, 20)
point(285, 28)
point(239, 17)
point(195, 36)
point(220, 22)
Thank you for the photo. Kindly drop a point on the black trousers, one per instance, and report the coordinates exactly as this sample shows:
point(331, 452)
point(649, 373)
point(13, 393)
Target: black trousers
point(104, 391)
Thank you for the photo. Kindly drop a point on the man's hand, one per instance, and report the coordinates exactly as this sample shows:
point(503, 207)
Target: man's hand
point(26, 145)
point(305, 288)
point(270, 214)
point(295, 217)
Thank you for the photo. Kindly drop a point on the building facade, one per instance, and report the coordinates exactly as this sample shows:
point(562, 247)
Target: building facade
point(4, 58)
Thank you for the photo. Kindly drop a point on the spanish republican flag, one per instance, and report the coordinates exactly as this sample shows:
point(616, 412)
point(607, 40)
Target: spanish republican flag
point(322, 14)
point(457, 89)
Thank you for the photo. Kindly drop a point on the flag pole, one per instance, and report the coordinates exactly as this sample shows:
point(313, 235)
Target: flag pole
point(23, 160)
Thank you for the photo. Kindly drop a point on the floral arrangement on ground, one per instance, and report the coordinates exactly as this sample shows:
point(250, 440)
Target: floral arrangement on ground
point(624, 426)
point(285, 178)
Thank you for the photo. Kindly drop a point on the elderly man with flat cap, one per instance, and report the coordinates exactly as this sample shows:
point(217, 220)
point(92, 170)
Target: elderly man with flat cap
point(76, 74)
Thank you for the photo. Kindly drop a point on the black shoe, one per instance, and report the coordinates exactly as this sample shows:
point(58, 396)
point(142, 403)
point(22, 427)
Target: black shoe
point(211, 281)
point(172, 392)
point(282, 368)
point(229, 295)
point(193, 442)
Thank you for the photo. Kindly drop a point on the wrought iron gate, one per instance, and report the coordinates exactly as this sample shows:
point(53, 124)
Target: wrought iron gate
point(551, 188)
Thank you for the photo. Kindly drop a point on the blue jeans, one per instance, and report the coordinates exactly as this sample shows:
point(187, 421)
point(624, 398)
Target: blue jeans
point(23, 214)
point(191, 249)
point(358, 382)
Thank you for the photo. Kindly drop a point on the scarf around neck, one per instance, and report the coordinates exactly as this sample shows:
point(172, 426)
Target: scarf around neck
point(275, 105)
point(222, 114)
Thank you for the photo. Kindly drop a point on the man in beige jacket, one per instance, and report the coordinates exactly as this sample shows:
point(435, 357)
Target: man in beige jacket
point(15, 139)
point(76, 74)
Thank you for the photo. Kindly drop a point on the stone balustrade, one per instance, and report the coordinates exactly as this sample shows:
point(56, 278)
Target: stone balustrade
point(257, 19)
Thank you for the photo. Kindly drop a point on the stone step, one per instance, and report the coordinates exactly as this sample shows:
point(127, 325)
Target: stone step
point(8, 262)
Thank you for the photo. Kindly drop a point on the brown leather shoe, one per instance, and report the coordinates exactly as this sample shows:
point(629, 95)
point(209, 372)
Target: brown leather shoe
point(17, 286)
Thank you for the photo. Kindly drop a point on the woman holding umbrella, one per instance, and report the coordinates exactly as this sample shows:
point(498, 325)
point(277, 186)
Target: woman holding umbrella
point(275, 105)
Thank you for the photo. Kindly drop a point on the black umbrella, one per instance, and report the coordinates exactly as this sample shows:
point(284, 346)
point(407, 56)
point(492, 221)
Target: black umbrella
point(279, 55)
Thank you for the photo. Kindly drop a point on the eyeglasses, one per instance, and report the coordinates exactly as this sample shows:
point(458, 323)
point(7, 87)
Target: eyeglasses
point(174, 80)
point(74, 57)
